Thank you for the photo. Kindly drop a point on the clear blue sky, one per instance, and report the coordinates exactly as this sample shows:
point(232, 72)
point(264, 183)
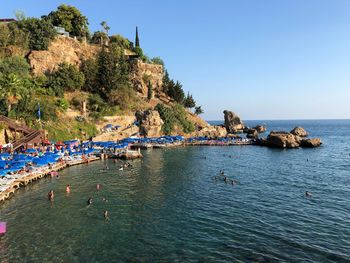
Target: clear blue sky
point(268, 59)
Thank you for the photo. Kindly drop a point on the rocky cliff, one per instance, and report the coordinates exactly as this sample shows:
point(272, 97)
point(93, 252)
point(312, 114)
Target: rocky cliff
point(62, 49)
point(142, 73)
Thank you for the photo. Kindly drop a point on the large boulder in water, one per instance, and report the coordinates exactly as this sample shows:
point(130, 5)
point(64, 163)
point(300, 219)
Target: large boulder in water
point(299, 131)
point(150, 123)
point(282, 139)
point(233, 123)
point(315, 142)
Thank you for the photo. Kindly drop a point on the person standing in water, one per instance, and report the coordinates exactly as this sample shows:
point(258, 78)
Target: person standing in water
point(68, 189)
point(98, 187)
point(105, 215)
point(51, 195)
point(89, 201)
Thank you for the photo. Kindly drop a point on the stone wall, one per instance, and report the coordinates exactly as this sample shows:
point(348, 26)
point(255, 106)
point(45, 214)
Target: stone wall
point(142, 72)
point(62, 49)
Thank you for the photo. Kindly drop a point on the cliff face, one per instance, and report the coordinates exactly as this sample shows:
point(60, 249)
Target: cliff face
point(62, 49)
point(141, 73)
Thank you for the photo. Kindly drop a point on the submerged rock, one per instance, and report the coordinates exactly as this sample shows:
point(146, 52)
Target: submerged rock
point(233, 123)
point(299, 131)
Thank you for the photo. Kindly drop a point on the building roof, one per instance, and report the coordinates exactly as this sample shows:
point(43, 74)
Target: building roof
point(6, 20)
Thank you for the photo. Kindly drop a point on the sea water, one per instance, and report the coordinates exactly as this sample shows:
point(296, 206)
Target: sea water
point(172, 206)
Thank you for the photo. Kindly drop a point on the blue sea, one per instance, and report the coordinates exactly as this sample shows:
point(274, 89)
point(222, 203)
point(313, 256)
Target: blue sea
point(172, 206)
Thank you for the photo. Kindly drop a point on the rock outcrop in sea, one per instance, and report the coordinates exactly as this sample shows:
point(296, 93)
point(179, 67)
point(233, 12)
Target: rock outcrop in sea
point(293, 139)
point(233, 123)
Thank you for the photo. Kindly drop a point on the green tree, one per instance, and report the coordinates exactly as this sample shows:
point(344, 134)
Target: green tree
point(40, 32)
point(71, 19)
point(176, 92)
point(11, 90)
point(113, 71)
point(150, 90)
point(66, 78)
point(105, 27)
point(137, 40)
point(189, 101)
point(89, 68)
point(198, 110)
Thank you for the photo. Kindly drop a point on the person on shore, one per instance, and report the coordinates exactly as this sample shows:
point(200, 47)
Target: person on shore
point(68, 189)
point(98, 186)
point(50, 195)
point(89, 201)
point(105, 215)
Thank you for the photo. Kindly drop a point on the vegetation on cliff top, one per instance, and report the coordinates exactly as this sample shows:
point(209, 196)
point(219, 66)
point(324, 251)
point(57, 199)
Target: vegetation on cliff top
point(105, 78)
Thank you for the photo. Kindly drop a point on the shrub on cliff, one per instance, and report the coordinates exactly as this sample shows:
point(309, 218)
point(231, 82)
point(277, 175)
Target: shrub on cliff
point(16, 65)
point(158, 61)
point(11, 34)
point(66, 78)
point(121, 41)
point(171, 117)
point(99, 37)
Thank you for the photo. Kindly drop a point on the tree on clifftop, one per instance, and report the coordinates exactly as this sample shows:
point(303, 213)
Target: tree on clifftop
point(40, 32)
point(189, 101)
point(71, 19)
point(198, 110)
point(137, 41)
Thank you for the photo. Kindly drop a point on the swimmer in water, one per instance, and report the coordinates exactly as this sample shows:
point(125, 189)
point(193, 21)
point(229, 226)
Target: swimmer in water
point(105, 215)
point(308, 194)
point(50, 195)
point(68, 189)
point(89, 201)
point(233, 182)
point(225, 179)
point(104, 199)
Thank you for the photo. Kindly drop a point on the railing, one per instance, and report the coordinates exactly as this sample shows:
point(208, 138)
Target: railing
point(27, 139)
point(14, 126)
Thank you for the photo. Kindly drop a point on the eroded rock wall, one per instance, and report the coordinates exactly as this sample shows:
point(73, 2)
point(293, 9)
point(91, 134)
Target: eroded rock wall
point(141, 73)
point(62, 49)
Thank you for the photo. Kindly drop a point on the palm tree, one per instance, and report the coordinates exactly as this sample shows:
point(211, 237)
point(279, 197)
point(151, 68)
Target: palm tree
point(106, 28)
point(11, 90)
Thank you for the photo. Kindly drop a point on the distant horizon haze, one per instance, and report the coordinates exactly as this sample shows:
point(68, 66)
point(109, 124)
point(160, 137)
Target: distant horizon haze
point(261, 59)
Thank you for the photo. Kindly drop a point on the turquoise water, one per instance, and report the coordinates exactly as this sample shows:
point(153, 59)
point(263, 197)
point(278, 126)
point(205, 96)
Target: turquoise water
point(169, 208)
